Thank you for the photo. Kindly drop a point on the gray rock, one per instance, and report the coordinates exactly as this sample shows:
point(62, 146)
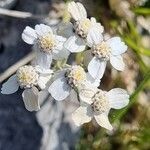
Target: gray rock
point(20, 129)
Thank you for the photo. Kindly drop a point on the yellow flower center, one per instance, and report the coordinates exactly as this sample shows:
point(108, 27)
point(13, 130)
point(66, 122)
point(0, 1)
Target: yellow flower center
point(100, 102)
point(102, 50)
point(27, 76)
point(85, 24)
point(82, 27)
point(76, 75)
point(47, 43)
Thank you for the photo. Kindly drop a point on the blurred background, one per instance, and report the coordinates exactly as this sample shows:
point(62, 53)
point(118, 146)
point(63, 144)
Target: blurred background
point(51, 128)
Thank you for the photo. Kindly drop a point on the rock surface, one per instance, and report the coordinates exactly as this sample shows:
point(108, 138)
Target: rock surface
point(20, 129)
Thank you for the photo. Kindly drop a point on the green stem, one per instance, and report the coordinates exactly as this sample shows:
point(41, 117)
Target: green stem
point(136, 48)
point(142, 65)
point(142, 11)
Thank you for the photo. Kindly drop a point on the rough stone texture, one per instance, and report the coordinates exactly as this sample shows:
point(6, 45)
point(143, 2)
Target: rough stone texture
point(19, 129)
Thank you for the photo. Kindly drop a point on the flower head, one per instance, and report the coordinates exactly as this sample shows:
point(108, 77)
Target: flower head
point(76, 75)
point(28, 77)
point(104, 50)
point(68, 79)
point(48, 45)
point(72, 78)
point(98, 105)
point(43, 36)
point(75, 36)
point(82, 26)
point(101, 50)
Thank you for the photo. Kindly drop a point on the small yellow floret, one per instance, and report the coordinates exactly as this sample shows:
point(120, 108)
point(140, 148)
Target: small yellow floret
point(102, 50)
point(85, 24)
point(82, 27)
point(100, 102)
point(76, 75)
point(47, 43)
point(27, 76)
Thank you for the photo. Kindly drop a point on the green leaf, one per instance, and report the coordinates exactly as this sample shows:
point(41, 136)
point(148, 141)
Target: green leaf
point(136, 48)
point(142, 11)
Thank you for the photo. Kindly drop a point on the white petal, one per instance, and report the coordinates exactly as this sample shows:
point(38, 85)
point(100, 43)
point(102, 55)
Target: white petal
point(103, 121)
point(118, 98)
point(42, 81)
point(82, 10)
point(97, 25)
point(10, 86)
point(43, 59)
point(93, 20)
point(77, 11)
point(60, 38)
point(59, 47)
point(75, 44)
point(94, 37)
point(59, 89)
point(96, 68)
point(117, 46)
point(86, 94)
point(81, 115)
point(94, 82)
point(65, 29)
point(117, 62)
point(43, 71)
point(29, 35)
point(62, 54)
point(30, 99)
point(43, 29)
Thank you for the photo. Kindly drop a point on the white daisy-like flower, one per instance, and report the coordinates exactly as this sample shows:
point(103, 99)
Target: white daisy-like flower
point(28, 78)
point(97, 104)
point(104, 50)
point(82, 26)
point(47, 44)
point(72, 78)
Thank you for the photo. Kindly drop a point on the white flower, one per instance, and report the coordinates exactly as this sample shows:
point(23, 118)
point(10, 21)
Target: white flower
point(27, 77)
point(74, 78)
point(104, 50)
point(48, 44)
point(82, 26)
point(97, 104)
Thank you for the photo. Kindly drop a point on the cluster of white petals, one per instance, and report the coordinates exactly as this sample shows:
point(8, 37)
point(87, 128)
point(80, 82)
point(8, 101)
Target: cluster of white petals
point(104, 50)
point(97, 104)
point(31, 80)
point(81, 28)
point(57, 44)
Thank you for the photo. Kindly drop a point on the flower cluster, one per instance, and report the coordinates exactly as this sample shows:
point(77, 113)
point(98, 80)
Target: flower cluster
point(53, 46)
